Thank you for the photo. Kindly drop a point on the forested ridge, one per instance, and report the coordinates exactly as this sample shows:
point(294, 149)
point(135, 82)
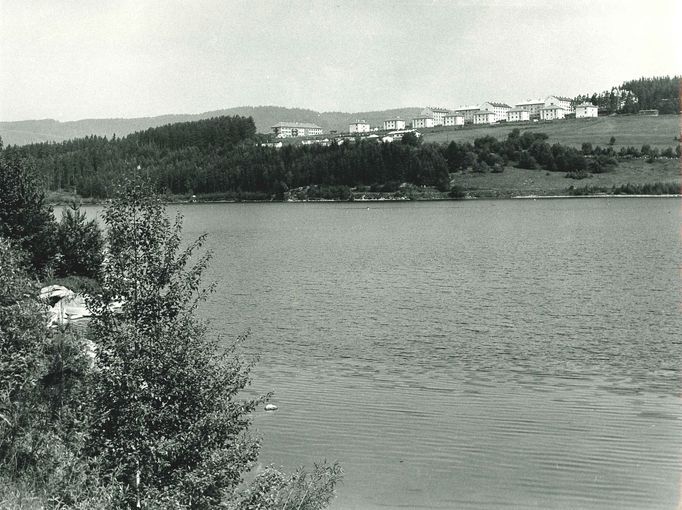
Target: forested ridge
point(661, 93)
point(225, 157)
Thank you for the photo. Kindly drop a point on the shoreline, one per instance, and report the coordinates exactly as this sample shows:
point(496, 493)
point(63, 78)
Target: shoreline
point(92, 202)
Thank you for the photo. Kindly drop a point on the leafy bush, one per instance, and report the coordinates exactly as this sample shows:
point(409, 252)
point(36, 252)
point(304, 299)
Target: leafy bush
point(167, 419)
point(527, 161)
point(42, 420)
point(80, 244)
point(577, 174)
point(457, 191)
point(24, 215)
point(300, 491)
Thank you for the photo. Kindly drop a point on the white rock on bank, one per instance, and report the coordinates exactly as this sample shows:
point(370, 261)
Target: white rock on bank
point(53, 293)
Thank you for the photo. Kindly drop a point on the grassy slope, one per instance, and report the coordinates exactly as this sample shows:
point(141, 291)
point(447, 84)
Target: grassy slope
point(627, 129)
point(517, 181)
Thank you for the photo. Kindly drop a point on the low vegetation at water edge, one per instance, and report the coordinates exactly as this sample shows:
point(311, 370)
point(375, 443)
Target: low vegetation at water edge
point(141, 409)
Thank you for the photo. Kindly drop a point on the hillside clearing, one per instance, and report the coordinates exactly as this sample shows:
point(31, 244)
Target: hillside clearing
point(628, 130)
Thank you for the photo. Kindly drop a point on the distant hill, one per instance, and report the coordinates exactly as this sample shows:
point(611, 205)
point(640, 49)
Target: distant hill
point(45, 130)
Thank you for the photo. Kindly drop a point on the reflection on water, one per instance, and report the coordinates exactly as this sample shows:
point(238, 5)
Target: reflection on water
point(462, 355)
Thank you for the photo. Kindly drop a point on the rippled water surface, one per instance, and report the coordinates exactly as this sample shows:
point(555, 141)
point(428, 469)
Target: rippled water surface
point(489, 354)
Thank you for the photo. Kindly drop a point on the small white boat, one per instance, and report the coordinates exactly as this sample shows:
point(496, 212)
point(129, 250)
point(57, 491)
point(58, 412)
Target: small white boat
point(270, 407)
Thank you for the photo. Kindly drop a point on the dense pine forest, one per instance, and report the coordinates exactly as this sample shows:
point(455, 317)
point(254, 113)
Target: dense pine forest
point(661, 93)
point(225, 157)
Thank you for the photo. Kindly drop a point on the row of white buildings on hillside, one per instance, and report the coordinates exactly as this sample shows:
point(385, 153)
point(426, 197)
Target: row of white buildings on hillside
point(490, 112)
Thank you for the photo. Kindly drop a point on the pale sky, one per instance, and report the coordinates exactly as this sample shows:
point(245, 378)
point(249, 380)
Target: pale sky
point(77, 59)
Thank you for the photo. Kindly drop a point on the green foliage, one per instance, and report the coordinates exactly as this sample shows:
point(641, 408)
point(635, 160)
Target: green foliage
point(600, 164)
point(300, 491)
point(155, 418)
point(410, 138)
point(167, 417)
point(527, 161)
point(80, 244)
point(577, 174)
point(42, 431)
point(78, 284)
point(24, 339)
point(661, 93)
point(656, 188)
point(24, 215)
point(587, 190)
point(457, 191)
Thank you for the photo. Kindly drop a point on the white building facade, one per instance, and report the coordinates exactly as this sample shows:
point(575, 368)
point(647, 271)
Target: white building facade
point(453, 119)
point(359, 126)
point(586, 110)
point(467, 112)
point(392, 124)
point(484, 117)
point(532, 106)
point(436, 113)
point(564, 102)
point(423, 121)
point(553, 112)
point(499, 109)
point(293, 129)
point(518, 115)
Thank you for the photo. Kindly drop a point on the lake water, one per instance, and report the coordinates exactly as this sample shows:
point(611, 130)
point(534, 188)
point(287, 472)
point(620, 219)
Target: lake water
point(476, 354)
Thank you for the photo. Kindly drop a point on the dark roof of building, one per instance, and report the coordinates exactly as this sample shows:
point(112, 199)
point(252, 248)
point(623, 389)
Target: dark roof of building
point(563, 98)
point(499, 105)
point(305, 125)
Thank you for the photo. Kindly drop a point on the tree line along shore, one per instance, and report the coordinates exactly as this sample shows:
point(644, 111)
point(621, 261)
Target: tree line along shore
point(138, 407)
point(225, 159)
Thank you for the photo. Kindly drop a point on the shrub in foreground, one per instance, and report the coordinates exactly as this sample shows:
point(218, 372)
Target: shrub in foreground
point(168, 419)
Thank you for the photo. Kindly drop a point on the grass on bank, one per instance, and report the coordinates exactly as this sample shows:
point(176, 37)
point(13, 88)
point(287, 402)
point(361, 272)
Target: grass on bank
point(518, 181)
point(628, 130)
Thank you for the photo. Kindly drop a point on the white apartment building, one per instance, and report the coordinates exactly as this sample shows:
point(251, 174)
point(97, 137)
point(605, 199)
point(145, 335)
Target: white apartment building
point(423, 121)
point(586, 110)
point(499, 109)
point(518, 115)
point(564, 102)
point(436, 113)
point(552, 112)
point(359, 126)
point(467, 112)
point(453, 119)
point(484, 117)
point(532, 106)
point(292, 129)
point(393, 124)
